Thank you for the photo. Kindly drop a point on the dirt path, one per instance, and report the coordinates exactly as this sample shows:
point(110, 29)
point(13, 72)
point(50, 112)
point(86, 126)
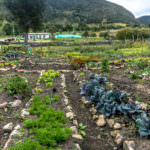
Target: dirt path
point(96, 138)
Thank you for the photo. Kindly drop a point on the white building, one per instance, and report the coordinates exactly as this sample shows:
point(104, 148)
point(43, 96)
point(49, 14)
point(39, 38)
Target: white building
point(33, 36)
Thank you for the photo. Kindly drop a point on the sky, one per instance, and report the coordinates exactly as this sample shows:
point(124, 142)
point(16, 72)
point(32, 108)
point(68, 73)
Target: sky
point(137, 7)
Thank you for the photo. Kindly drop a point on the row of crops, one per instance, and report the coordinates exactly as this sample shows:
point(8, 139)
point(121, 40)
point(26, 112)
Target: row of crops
point(109, 102)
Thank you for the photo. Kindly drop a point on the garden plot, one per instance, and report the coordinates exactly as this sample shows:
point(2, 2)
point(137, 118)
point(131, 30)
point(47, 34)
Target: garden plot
point(127, 129)
point(94, 138)
point(43, 124)
point(11, 104)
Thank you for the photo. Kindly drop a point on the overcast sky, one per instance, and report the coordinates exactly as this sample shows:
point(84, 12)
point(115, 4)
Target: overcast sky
point(137, 7)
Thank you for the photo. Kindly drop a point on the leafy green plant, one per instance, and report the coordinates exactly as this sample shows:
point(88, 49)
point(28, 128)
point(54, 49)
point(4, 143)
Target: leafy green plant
point(17, 85)
point(39, 91)
point(50, 127)
point(81, 74)
point(55, 98)
point(134, 76)
point(105, 65)
point(49, 84)
point(48, 77)
point(29, 144)
point(81, 129)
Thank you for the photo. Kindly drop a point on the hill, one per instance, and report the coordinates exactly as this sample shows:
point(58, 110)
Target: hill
point(144, 19)
point(87, 11)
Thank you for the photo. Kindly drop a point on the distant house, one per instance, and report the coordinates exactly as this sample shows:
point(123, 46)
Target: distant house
point(33, 36)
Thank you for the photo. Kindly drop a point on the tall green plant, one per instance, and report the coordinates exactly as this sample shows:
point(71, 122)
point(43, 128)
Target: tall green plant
point(105, 65)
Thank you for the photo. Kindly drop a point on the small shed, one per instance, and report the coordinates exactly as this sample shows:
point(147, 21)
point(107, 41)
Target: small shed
point(33, 36)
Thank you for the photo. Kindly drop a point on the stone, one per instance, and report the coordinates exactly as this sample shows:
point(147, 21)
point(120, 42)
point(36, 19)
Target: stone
point(77, 147)
point(24, 113)
point(68, 108)
point(74, 129)
point(117, 126)
point(8, 127)
point(119, 139)
point(66, 101)
point(114, 133)
point(95, 117)
point(75, 122)
point(14, 134)
point(3, 105)
point(129, 145)
point(7, 144)
point(77, 136)
point(16, 103)
point(101, 121)
point(93, 110)
point(17, 127)
point(110, 122)
point(84, 101)
point(70, 115)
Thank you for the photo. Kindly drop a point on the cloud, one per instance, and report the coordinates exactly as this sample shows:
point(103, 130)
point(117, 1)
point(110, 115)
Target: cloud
point(137, 7)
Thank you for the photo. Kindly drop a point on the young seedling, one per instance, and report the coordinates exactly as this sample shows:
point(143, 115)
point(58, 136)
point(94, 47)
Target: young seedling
point(81, 129)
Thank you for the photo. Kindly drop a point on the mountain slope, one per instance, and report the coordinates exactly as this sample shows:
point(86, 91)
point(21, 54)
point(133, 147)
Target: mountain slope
point(88, 11)
point(144, 19)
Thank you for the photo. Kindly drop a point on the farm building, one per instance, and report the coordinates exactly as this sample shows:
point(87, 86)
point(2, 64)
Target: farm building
point(32, 36)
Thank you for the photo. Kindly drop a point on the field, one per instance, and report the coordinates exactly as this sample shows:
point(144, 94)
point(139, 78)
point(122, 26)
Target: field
point(44, 104)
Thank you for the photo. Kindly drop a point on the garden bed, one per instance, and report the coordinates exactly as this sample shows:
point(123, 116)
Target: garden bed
point(12, 114)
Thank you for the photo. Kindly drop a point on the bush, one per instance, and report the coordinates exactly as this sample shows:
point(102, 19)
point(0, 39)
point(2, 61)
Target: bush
point(85, 34)
point(7, 29)
point(131, 33)
point(104, 34)
point(17, 85)
point(105, 65)
point(143, 63)
point(93, 34)
point(134, 76)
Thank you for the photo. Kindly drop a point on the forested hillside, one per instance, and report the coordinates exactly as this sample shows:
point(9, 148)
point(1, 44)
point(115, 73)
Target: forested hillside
point(87, 11)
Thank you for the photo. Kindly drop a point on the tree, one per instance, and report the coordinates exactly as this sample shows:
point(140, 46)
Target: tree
point(85, 34)
point(27, 13)
point(7, 29)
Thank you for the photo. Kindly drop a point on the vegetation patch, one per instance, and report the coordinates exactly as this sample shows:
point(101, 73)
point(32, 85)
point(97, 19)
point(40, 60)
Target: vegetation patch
point(17, 85)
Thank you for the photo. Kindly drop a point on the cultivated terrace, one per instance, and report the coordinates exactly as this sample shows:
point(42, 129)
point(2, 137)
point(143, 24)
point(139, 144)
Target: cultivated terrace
point(76, 97)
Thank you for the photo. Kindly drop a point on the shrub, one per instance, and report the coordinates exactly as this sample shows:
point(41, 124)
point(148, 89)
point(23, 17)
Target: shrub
point(77, 63)
point(143, 63)
point(131, 33)
point(134, 76)
point(85, 34)
point(7, 29)
point(93, 34)
point(105, 65)
point(17, 85)
point(104, 34)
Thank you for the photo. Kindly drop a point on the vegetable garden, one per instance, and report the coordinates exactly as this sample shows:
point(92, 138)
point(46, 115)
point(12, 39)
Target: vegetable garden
point(75, 97)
